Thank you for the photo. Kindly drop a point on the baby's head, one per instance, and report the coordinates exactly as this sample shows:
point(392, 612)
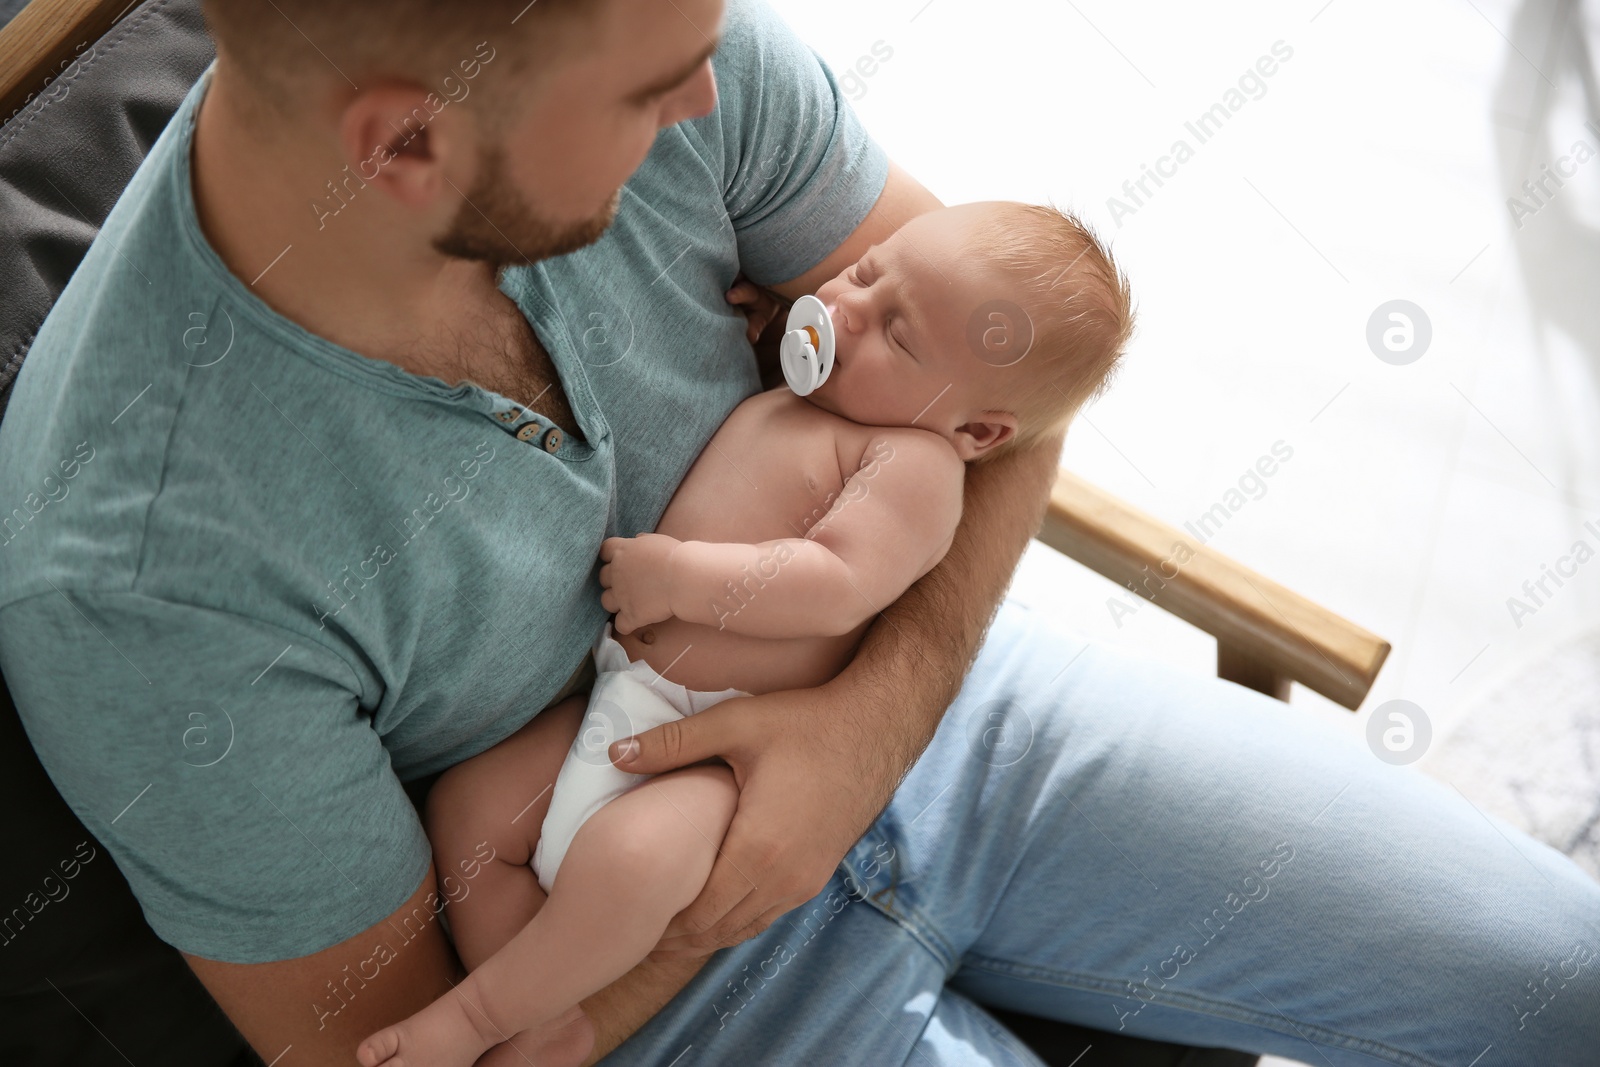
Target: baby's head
point(988, 323)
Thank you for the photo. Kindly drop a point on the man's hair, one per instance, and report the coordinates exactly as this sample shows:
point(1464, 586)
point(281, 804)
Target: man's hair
point(280, 45)
point(1079, 314)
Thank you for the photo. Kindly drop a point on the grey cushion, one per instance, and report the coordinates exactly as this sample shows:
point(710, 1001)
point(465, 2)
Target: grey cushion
point(9, 9)
point(65, 158)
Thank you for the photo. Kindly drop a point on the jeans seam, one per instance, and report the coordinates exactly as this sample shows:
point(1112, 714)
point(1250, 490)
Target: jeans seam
point(1206, 1005)
point(912, 921)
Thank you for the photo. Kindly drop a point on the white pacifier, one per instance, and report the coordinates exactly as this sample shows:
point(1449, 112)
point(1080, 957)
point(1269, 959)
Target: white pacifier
point(807, 349)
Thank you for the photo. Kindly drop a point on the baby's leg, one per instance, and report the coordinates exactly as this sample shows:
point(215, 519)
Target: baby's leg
point(634, 865)
point(483, 818)
point(493, 806)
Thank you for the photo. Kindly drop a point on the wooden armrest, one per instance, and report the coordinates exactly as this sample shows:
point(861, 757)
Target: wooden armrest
point(1262, 629)
point(43, 40)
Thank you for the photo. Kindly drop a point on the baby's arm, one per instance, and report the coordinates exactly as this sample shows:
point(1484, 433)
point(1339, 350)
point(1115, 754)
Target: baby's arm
point(890, 525)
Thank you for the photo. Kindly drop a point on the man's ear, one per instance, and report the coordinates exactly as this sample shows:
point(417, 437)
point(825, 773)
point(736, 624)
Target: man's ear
point(984, 434)
point(395, 138)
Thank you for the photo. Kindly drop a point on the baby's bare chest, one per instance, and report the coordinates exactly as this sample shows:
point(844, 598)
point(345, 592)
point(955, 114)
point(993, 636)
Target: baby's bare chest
point(772, 470)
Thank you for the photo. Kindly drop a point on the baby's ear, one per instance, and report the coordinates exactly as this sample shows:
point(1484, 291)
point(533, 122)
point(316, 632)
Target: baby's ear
point(984, 434)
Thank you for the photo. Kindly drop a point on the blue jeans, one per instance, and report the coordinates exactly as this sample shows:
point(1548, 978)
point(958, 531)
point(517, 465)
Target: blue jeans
point(1100, 839)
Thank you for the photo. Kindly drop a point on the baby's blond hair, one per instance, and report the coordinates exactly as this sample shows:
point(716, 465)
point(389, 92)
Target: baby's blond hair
point(1079, 307)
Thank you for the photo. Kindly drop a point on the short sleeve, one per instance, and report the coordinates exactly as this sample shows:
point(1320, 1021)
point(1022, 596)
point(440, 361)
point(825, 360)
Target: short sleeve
point(225, 765)
point(800, 171)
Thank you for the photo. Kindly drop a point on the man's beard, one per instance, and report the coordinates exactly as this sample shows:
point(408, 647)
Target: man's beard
point(497, 226)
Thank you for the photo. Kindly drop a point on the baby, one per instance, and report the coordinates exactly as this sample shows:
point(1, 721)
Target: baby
point(971, 331)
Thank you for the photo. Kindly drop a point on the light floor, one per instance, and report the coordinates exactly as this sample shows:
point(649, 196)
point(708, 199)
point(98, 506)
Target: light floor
point(1374, 164)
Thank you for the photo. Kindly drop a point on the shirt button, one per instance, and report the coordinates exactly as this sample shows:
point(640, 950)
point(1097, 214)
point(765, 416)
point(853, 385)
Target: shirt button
point(529, 431)
point(552, 440)
point(508, 415)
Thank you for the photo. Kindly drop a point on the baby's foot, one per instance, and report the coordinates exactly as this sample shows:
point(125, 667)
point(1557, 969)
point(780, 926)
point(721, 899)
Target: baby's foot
point(447, 1033)
point(450, 1033)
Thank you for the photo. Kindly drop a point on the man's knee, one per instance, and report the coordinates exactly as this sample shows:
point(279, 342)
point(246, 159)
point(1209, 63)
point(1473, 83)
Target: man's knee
point(1526, 963)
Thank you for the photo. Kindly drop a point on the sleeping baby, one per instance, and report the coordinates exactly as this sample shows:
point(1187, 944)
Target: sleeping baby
point(972, 331)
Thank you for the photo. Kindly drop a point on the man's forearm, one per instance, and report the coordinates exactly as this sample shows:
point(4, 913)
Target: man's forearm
point(916, 654)
point(622, 1007)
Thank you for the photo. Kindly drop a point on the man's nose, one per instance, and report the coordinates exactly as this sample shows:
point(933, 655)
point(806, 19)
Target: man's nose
point(696, 98)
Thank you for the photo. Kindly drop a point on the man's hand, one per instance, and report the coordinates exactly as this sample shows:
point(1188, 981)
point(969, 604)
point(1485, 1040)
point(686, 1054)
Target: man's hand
point(810, 780)
point(637, 577)
point(760, 306)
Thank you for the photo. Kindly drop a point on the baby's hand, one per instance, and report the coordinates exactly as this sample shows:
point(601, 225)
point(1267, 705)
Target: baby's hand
point(637, 579)
point(760, 306)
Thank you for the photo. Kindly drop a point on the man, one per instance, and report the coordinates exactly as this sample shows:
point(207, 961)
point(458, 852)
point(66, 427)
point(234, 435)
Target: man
point(336, 490)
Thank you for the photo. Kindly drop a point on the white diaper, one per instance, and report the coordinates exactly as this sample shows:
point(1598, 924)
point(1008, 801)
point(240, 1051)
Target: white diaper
point(628, 698)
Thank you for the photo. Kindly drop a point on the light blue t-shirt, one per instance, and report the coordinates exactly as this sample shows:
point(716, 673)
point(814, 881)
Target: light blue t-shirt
point(250, 581)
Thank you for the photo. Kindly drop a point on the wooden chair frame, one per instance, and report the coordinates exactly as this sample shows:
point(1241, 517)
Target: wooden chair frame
point(1267, 635)
point(43, 42)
